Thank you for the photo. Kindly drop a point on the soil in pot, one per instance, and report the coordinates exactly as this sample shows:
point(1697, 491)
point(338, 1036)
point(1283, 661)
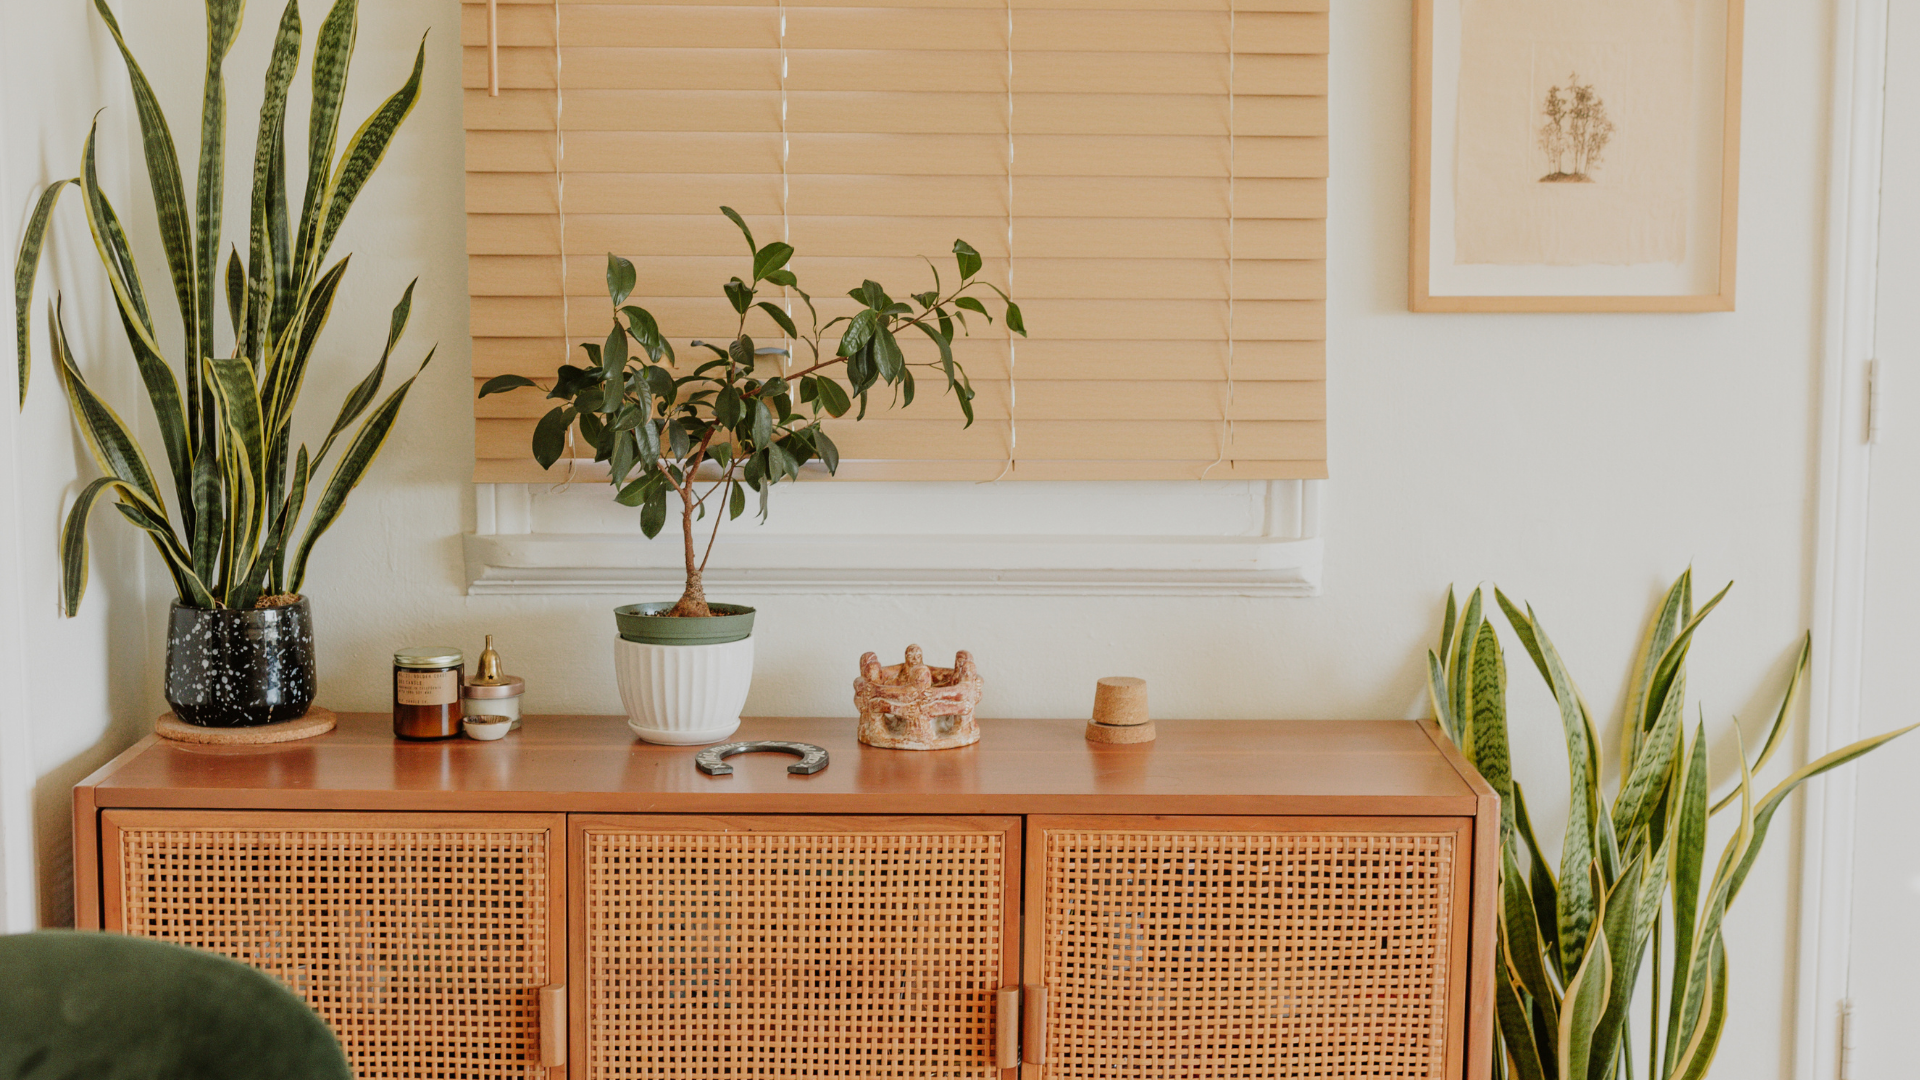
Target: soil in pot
point(228, 668)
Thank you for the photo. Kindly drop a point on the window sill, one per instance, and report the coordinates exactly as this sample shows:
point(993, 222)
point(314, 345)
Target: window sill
point(523, 546)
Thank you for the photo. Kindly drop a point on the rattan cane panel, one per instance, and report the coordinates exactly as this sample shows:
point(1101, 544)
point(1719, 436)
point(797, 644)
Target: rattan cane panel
point(1217, 955)
point(423, 949)
point(790, 955)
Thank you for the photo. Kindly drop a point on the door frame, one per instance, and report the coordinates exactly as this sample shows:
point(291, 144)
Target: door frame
point(1459, 944)
point(1858, 100)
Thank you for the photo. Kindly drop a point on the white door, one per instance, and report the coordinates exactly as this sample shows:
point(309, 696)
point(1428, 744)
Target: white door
point(1883, 978)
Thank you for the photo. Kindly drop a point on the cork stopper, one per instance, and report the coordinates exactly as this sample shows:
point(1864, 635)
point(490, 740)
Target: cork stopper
point(1120, 711)
point(1120, 701)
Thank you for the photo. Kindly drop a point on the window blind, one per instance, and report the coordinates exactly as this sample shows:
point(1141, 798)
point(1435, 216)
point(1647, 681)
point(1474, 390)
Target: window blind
point(1147, 178)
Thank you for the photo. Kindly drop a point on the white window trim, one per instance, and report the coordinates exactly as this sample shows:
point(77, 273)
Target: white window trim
point(506, 556)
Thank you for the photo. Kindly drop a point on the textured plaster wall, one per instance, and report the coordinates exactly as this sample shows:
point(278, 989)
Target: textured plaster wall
point(1579, 461)
point(76, 690)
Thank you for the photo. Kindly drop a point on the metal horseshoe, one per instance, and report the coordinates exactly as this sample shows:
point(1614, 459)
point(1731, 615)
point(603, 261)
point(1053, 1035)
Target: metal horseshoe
point(812, 758)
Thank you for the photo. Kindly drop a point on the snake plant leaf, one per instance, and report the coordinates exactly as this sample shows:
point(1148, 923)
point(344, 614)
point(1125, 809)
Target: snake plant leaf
point(237, 396)
point(1522, 623)
point(1625, 931)
point(223, 22)
point(169, 193)
point(332, 53)
point(1516, 1031)
point(110, 241)
point(185, 585)
point(1576, 913)
point(1487, 725)
point(267, 253)
point(112, 443)
point(286, 369)
point(1686, 854)
point(1696, 996)
point(25, 267)
point(1446, 623)
point(1674, 611)
point(1699, 1051)
point(353, 466)
point(365, 150)
point(1541, 887)
point(1457, 664)
point(363, 393)
point(1673, 659)
point(1780, 718)
point(163, 393)
point(1525, 951)
point(1586, 1000)
point(1772, 801)
point(209, 511)
point(73, 543)
point(1641, 791)
point(236, 293)
point(1442, 699)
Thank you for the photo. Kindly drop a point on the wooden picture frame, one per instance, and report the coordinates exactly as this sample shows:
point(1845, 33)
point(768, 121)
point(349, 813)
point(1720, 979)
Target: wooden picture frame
point(1439, 280)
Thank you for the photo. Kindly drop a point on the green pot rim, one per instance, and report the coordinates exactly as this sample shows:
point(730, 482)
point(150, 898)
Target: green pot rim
point(640, 623)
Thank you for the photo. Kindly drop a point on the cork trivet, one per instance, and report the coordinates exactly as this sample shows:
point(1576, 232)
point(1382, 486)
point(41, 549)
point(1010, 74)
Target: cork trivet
point(1115, 733)
point(1120, 701)
point(318, 721)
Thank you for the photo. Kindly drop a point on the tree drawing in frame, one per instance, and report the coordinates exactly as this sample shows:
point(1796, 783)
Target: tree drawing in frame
point(1575, 133)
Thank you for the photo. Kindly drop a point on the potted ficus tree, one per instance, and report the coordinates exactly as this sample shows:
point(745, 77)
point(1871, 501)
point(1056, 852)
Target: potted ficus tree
point(707, 433)
point(229, 515)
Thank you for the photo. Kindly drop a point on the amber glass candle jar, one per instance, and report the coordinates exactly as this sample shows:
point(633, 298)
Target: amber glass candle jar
point(426, 692)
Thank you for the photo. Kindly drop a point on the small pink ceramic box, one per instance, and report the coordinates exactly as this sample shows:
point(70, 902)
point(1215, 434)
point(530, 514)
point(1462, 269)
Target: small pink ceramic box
point(912, 706)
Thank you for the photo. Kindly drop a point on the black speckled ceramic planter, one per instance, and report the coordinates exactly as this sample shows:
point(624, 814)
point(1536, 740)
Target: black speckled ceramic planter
point(229, 668)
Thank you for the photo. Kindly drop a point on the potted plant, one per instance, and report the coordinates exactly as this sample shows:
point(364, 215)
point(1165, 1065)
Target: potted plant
point(229, 524)
point(709, 434)
point(1573, 944)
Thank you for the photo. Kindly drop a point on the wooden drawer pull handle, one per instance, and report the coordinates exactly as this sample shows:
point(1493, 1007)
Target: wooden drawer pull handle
point(1034, 1039)
point(1006, 1028)
point(553, 1025)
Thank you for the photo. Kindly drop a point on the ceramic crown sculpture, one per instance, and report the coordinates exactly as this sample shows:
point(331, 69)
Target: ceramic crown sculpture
point(911, 706)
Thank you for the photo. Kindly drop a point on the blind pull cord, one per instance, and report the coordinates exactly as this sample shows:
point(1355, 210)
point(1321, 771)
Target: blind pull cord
point(786, 149)
point(560, 206)
point(1233, 219)
point(1013, 350)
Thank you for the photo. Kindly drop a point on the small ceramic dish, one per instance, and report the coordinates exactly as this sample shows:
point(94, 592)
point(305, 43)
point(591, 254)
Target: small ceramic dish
point(487, 728)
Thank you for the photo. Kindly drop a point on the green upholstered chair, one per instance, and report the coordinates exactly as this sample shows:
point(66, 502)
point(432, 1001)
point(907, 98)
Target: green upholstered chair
point(90, 1006)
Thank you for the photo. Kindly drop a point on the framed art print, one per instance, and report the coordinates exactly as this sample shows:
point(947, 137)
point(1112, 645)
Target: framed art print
point(1575, 156)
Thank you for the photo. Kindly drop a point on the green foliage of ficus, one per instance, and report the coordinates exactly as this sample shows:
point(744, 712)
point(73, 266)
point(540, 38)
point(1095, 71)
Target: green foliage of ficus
point(229, 524)
point(667, 430)
point(1631, 898)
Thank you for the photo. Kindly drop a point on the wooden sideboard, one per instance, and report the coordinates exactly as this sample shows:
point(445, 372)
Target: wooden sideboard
point(1239, 899)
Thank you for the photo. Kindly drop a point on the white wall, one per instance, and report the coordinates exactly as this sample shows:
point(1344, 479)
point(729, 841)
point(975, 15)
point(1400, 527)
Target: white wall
point(1579, 461)
point(76, 690)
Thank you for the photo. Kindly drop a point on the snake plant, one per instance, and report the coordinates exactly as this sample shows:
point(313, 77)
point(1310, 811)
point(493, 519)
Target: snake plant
point(227, 524)
point(1631, 899)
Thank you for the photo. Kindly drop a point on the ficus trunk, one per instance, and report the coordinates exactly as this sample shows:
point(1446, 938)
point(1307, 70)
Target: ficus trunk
point(693, 602)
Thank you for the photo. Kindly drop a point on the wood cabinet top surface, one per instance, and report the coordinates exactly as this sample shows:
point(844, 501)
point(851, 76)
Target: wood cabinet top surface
point(592, 764)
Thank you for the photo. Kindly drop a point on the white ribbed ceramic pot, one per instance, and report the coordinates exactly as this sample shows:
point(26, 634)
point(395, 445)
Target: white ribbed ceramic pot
point(683, 695)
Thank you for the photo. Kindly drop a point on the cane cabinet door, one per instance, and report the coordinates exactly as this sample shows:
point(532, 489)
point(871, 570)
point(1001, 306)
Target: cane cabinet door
point(424, 940)
point(1239, 947)
point(792, 946)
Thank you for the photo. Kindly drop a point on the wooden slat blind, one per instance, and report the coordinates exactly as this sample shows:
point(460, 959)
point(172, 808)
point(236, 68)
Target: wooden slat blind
point(1147, 177)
